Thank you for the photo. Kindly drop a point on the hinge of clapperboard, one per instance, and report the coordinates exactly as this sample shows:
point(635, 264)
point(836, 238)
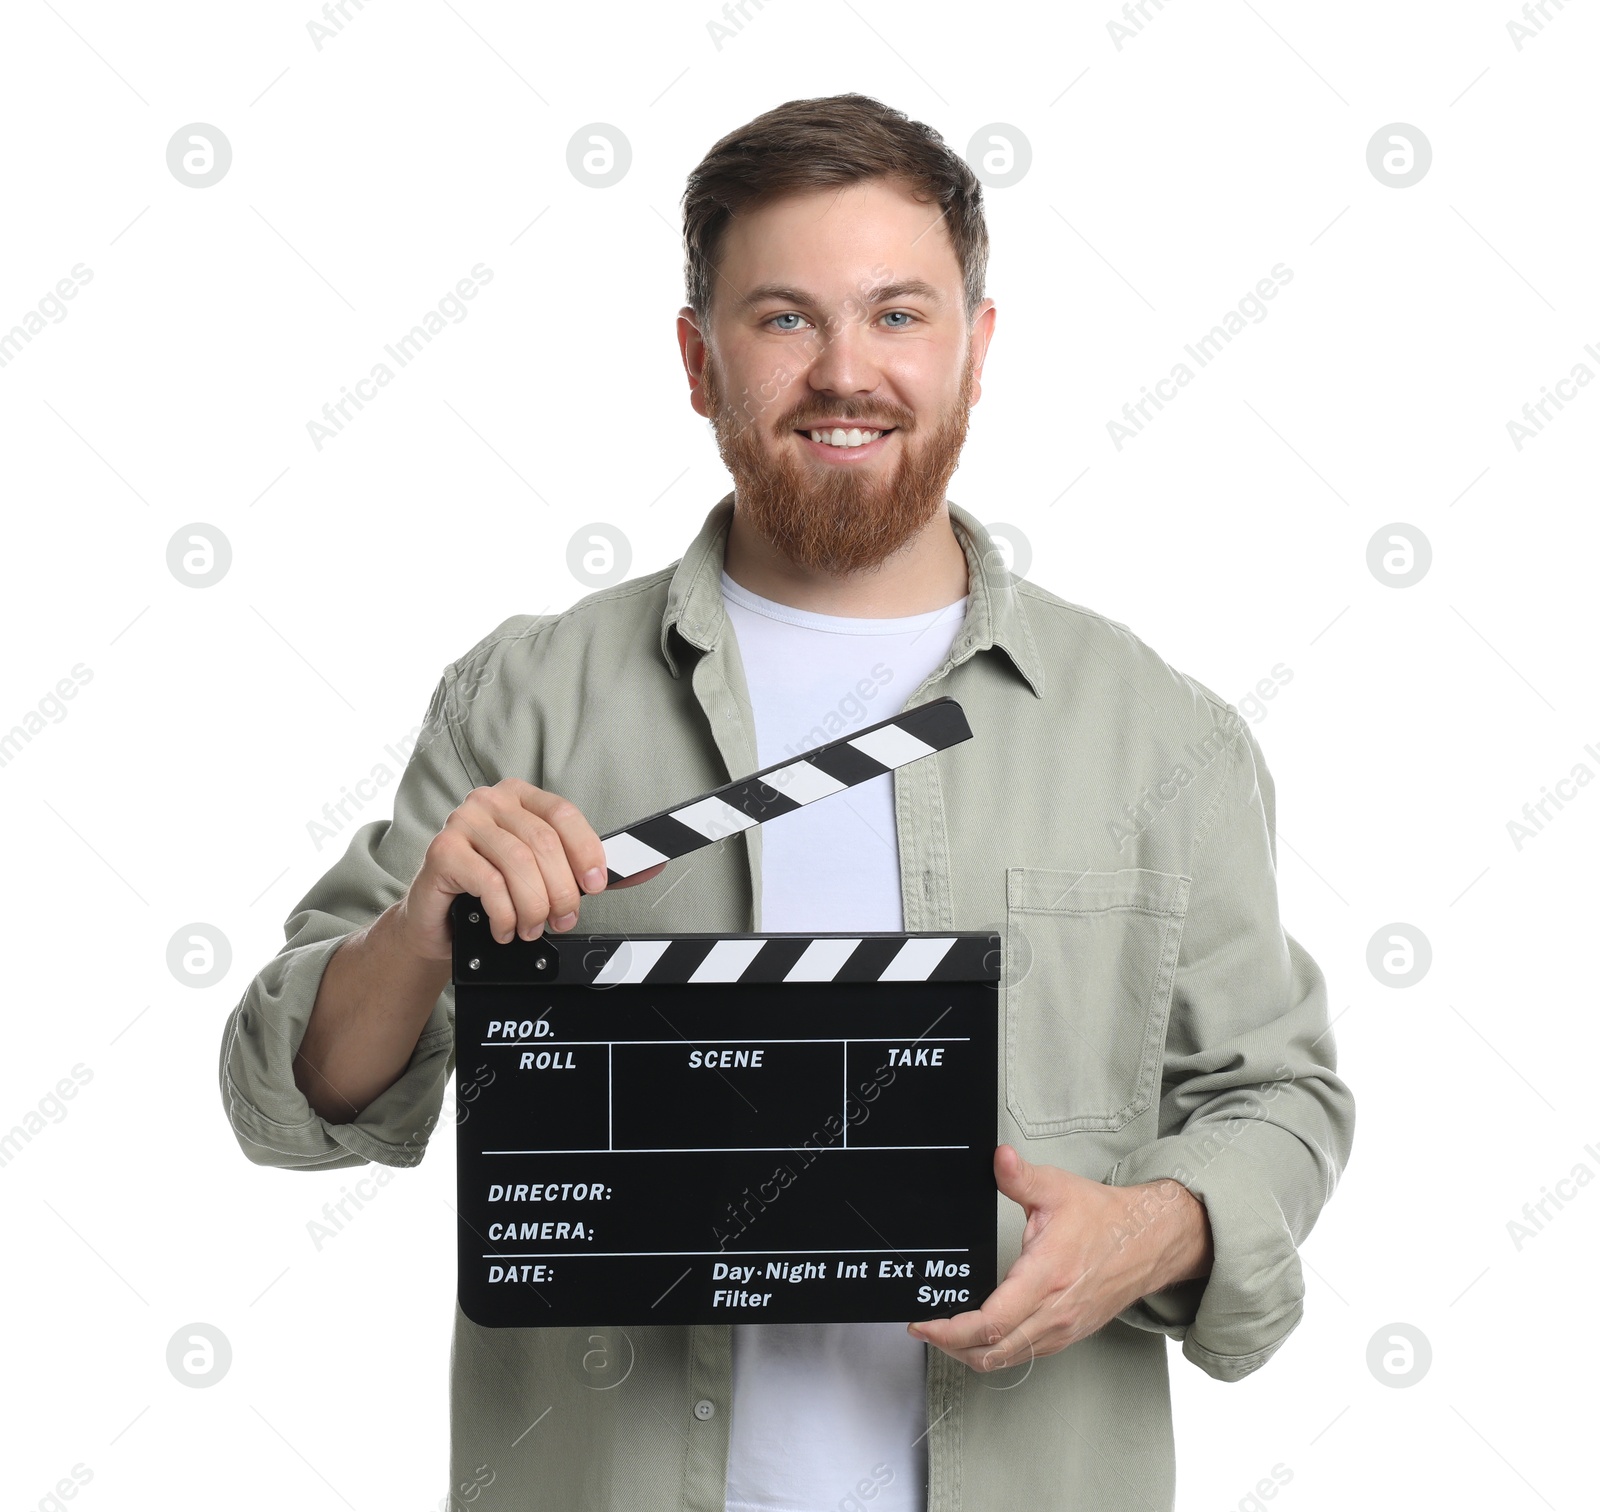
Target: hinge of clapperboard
point(784, 787)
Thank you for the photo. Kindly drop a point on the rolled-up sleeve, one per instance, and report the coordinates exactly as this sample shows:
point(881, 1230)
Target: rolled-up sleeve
point(270, 1116)
point(1253, 1120)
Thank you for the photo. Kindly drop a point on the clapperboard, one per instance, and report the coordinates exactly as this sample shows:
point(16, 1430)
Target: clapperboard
point(701, 1128)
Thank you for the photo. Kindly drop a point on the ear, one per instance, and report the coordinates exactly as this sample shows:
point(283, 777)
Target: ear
point(694, 351)
point(980, 334)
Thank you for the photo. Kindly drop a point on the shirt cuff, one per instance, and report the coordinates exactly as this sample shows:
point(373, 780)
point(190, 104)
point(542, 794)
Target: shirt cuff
point(1234, 1320)
point(272, 1120)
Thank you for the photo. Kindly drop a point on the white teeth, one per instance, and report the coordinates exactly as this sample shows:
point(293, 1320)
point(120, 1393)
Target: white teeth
point(839, 437)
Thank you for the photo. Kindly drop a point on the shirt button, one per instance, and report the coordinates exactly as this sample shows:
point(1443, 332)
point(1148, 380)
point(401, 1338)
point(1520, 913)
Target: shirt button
point(704, 1408)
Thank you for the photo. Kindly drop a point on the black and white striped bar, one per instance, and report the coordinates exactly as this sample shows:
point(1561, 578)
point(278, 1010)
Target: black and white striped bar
point(752, 960)
point(782, 788)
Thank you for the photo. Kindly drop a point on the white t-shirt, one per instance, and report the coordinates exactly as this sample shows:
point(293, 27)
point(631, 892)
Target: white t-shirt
point(820, 1408)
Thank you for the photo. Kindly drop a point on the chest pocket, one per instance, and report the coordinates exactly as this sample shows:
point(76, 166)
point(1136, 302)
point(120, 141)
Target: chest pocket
point(1087, 983)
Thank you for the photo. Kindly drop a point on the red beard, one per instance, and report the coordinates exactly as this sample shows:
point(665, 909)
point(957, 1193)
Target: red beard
point(837, 520)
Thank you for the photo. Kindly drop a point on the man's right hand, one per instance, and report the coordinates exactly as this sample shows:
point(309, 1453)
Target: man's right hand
point(530, 855)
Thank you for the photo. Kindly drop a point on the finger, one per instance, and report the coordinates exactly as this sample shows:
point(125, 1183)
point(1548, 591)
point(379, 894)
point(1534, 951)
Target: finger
point(1045, 1331)
point(515, 824)
point(1016, 1298)
point(549, 851)
point(461, 868)
point(1019, 1295)
point(584, 854)
point(528, 852)
point(1040, 1333)
point(1057, 1322)
point(1016, 1178)
point(968, 1332)
point(518, 866)
point(479, 821)
point(564, 886)
point(1023, 1343)
point(583, 849)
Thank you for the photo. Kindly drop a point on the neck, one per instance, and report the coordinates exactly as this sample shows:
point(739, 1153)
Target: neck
point(928, 572)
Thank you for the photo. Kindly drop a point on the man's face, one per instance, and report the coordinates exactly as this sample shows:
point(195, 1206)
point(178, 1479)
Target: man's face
point(838, 312)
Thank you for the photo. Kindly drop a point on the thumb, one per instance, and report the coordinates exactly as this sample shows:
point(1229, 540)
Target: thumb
point(1015, 1177)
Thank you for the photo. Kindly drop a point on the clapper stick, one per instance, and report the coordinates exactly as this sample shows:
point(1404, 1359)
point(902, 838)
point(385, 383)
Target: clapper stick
point(784, 787)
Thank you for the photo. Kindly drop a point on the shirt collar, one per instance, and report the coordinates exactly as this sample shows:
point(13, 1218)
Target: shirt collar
point(995, 615)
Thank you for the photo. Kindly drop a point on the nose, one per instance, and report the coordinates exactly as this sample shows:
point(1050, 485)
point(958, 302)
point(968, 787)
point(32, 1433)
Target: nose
point(843, 364)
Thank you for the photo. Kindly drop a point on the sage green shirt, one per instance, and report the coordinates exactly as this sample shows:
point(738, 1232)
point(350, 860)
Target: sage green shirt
point(1112, 816)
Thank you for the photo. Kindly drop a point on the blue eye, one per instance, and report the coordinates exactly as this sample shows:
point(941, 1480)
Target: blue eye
point(905, 313)
point(787, 315)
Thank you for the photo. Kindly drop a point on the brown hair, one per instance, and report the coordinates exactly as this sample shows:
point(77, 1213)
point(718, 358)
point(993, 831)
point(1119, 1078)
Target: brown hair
point(821, 144)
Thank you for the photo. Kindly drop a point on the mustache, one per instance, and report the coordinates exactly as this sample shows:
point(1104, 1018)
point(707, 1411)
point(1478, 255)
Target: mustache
point(736, 419)
point(873, 417)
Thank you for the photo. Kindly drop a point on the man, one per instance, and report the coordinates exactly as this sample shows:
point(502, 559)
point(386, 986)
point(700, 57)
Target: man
point(1170, 1118)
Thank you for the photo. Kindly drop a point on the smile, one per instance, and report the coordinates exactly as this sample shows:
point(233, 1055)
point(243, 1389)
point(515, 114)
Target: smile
point(840, 445)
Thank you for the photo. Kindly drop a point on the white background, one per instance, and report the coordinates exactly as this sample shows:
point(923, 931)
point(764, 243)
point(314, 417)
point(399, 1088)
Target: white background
point(1167, 177)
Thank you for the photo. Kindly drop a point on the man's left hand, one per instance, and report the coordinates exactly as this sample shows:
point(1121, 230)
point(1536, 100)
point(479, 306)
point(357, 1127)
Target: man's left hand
point(1088, 1251)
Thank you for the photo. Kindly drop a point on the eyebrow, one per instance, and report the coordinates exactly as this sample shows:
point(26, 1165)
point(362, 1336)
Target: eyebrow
point(906, 288)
